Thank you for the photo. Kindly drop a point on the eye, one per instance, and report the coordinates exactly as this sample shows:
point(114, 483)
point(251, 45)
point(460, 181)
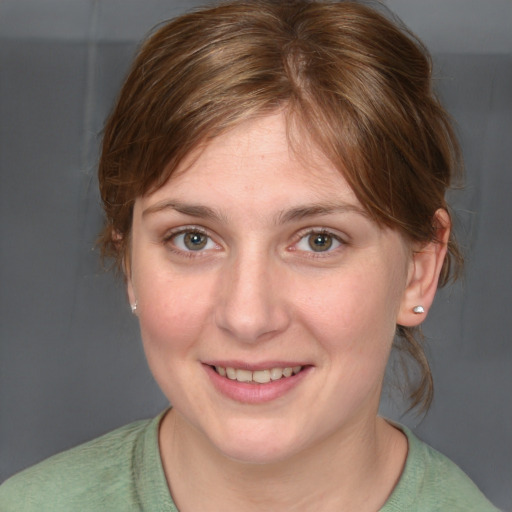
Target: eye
point(192, 240)
point(318, 242)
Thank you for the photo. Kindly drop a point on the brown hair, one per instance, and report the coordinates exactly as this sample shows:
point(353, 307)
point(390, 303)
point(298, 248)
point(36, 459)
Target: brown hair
point(356, 82)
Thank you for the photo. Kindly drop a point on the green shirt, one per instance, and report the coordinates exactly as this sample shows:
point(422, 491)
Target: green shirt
point(122, 471)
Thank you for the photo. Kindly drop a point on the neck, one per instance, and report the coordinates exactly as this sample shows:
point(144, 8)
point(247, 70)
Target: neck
point(351, 470)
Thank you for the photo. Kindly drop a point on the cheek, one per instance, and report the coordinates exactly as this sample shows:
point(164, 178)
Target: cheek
point(356, 308)
point(172, 318)
point(172, 312)
point(353, 316)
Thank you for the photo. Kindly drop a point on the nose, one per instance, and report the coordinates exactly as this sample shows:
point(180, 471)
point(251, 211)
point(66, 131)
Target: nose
point(251, 305)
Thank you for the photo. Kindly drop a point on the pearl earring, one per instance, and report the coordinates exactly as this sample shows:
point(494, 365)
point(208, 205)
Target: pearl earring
point(418, 310)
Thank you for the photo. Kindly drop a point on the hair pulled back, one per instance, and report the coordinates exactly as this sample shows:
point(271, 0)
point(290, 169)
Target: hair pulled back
point(357, 84)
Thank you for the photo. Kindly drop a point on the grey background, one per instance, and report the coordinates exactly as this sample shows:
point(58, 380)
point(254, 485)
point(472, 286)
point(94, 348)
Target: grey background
point(71, 364)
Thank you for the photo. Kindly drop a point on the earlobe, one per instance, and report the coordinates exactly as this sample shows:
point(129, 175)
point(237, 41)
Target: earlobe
point(424, 270)
point(132, 298)
point(131, 294)
point(127, 271)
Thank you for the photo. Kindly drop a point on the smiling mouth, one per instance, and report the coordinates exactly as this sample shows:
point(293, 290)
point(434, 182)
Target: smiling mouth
point(257, 376)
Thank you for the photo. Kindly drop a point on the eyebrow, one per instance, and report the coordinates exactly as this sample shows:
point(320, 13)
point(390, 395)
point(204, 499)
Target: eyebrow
point(192, 210)
point(316, 210)
point(282, 217)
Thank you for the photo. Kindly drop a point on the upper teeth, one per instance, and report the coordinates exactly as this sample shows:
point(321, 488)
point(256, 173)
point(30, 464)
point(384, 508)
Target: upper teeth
point(258, 376)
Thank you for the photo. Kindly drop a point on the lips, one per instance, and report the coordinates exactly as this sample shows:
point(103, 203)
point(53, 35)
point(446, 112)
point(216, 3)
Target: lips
point(263, 376)
point(258, 383)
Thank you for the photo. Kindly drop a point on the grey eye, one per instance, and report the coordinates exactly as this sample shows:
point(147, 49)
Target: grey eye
point(318, 242)
point(195, 241)
point(192, 241)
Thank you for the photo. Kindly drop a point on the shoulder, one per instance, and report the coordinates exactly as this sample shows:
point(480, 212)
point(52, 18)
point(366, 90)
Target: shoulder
point(431, 482)
point(455, 490)
point(97, 475)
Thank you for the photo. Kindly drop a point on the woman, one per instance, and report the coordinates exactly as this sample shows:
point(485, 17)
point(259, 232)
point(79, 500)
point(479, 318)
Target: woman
point(273, 177)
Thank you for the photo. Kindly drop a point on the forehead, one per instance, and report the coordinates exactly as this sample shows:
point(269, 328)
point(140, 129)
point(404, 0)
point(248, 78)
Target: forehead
point(255, 160)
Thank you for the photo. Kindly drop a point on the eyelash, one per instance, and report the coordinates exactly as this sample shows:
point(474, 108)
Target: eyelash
point(168, 238)
point(318, 231)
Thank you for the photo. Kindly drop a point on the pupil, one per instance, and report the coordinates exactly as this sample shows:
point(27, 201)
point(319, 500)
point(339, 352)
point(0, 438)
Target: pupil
point(320, 242)
point(195, 241)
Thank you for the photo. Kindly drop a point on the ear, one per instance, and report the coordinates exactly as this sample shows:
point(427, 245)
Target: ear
point(126, 266)
point(129, 289)
point(132, 298)
point(424, 269)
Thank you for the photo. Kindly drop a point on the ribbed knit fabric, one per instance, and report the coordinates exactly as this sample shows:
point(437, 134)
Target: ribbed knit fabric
point(430, 482)
point(122, 471)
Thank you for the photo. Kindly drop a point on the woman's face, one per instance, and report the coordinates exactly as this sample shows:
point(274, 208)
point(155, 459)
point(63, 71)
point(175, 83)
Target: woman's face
point(253, 264)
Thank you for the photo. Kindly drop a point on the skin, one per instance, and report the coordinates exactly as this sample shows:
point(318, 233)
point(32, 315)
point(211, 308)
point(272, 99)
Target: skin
point(257, 293)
